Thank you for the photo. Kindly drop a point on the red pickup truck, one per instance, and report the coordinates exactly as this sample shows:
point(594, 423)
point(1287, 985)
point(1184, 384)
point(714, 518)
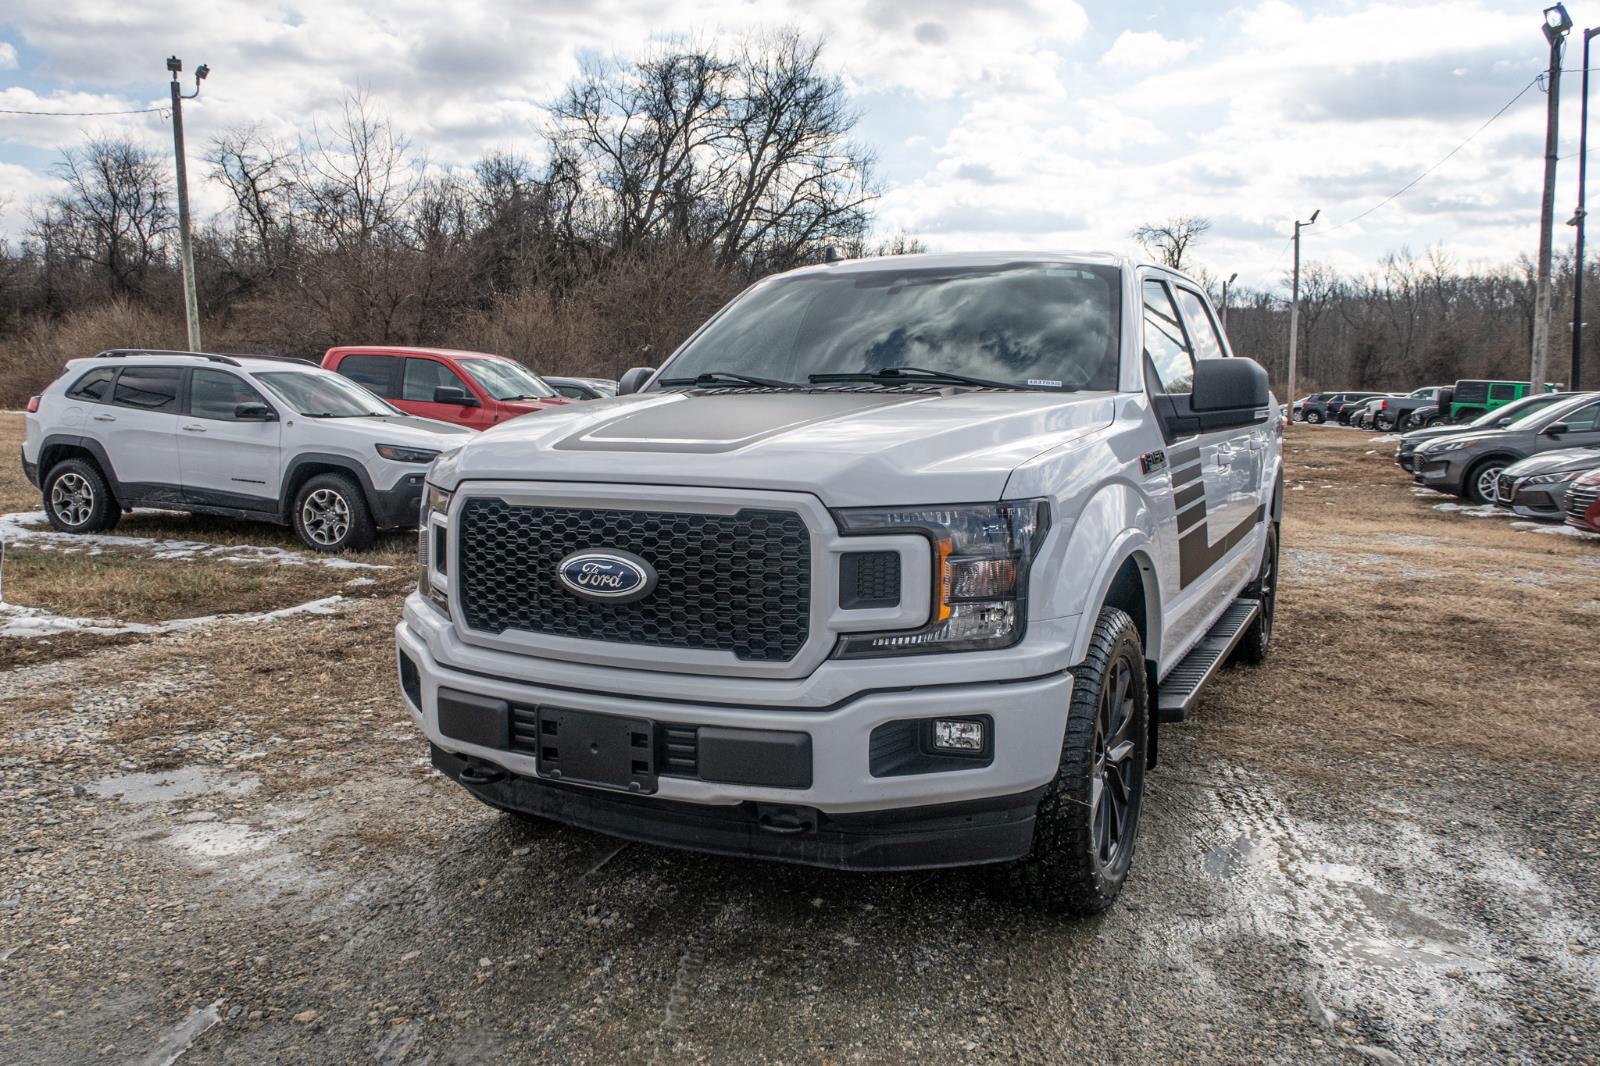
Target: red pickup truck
point(473, 389)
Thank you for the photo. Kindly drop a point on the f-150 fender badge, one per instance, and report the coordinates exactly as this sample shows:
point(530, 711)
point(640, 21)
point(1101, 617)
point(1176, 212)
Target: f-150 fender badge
point(607, 575)
point(1150, 462)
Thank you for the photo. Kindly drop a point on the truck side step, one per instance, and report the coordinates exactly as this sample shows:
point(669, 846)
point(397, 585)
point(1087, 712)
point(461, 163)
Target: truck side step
point(1189, 678)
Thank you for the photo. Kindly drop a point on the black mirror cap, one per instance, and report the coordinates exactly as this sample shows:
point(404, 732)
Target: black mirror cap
point(254, 412)
point(1236, 384)
point(1555, 429)
point(634, 380)
point(452, 394)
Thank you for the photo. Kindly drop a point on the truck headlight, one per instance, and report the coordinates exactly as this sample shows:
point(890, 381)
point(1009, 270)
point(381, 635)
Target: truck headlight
point(431, 544)
point(981, 557)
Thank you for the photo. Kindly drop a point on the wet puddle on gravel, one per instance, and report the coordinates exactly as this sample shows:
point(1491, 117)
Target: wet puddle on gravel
point(168, 786)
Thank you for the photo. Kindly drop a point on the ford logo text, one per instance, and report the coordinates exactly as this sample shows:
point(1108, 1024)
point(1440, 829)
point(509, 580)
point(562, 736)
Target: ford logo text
point(607, 576)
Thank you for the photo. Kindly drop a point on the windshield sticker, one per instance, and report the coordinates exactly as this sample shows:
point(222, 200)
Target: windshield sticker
point(1041, 383)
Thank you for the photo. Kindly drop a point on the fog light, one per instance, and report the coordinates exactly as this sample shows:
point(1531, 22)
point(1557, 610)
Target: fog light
point(957, 735)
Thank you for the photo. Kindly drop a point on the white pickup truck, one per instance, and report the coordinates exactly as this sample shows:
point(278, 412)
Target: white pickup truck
point(895, 563)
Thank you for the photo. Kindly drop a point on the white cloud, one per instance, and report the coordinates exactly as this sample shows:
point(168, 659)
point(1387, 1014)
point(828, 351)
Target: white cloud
point(8, 56)
point(1145, 50)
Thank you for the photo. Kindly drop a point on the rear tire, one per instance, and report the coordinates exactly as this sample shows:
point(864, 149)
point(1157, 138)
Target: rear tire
point(1314, 417)
point(1257, 640)
point(1088, 819)
point(77, 498)
point(331, 515)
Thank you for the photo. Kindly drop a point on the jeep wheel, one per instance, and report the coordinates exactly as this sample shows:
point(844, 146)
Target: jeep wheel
point(1084, 832)
point(1314, 417)
point(1252, 647)
point(1479, 485)
point(77, 498)
point(331, 515)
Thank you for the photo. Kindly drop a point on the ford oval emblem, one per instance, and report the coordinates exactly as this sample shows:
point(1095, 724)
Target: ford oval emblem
point(607, 576)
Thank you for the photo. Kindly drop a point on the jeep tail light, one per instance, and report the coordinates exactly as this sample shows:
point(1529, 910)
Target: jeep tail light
point(33, 405)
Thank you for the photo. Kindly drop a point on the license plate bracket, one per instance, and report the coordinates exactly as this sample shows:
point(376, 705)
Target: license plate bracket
point(604, 750)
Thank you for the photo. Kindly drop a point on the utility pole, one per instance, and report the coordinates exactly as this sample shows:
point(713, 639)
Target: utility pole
point(1579, 217)
point(1556, 24)
point(1231, 279)
point(1294, 301)
point(191, 305)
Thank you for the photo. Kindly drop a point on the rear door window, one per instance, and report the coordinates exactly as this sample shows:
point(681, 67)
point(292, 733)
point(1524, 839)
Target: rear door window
point(375, 372)
point(148, 388)
point(1502, 392)
point(424, 375)
point(95, 386)
point(1165, 342)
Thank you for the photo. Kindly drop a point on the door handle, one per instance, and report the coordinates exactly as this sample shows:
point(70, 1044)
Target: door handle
point(104, 418)
point(193, 427)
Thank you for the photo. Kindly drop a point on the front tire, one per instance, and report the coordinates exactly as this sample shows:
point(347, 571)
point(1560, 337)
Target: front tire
point(77, 498)
point(1083, 835)
point(331, 515)
point(1479, 484)
point(1257, 640)
point(1314, 417)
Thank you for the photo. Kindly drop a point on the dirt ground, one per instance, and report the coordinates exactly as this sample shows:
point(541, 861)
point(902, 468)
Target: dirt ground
point(224, 843)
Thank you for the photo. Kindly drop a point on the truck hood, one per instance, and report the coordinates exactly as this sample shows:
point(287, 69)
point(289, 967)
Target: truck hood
point(399, 429)
point(848, 447)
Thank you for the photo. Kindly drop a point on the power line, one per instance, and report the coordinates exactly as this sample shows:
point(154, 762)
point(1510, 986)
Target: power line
point(81, 114)
point(1447, 156)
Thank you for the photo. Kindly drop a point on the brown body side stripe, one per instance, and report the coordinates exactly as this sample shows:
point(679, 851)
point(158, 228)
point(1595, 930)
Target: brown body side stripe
point(1196, 553)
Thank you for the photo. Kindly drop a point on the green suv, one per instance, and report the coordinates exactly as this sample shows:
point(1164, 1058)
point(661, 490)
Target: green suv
point(1474, 398)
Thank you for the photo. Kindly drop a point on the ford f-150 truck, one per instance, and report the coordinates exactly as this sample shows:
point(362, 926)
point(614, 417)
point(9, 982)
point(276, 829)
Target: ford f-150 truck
point(895, 563)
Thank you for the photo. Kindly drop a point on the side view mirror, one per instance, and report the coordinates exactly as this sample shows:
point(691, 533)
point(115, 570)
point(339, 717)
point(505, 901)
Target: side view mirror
point(1230, 392)
point(254, 412)
point(452, 394)
point(634, 380)
point(1502, 423)
point(1555, 429)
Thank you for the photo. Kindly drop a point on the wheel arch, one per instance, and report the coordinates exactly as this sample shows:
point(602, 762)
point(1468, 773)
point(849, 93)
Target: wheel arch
point(308, 465)
point(58, 446)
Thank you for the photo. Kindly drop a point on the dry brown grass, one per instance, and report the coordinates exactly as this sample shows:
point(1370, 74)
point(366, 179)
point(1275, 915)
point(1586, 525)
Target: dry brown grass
point(1399, 623)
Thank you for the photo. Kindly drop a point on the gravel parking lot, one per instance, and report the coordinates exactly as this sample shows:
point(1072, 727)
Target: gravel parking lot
point(223, 841)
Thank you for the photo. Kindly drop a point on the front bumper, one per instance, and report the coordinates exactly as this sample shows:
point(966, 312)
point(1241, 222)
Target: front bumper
point(1445, 474)
point(1538, 501)
point(979, 813)
point(399, 505)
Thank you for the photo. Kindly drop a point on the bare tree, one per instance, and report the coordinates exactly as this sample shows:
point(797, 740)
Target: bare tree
point(1170, 241)
point(259, 172)
point(114, 215)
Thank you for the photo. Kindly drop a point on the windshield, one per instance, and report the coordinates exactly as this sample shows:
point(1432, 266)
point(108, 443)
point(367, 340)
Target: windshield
point(1028, 326)
point(323, 395)
point(505, 380)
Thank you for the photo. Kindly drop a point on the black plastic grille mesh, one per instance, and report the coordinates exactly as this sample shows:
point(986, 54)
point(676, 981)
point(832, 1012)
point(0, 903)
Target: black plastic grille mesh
point(869, 579)
point(739, 583)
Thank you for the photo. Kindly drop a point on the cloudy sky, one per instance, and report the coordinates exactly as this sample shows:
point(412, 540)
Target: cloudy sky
point(1007, 123)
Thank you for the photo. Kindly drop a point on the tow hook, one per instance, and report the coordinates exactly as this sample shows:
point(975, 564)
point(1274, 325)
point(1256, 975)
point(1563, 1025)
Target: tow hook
point(480, 772)
point(786, 820)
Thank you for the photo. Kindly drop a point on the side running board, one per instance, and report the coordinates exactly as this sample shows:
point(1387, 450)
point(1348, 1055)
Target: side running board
point(1189, 678)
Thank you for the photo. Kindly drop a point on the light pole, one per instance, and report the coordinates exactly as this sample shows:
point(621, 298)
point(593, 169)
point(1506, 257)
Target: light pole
point(191, 305)
point(1231, 279)
point(1575, 382)
point(1556, 25)
point(1294, 300)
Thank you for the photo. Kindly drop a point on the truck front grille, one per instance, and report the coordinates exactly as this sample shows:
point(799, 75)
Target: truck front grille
point(739, 583)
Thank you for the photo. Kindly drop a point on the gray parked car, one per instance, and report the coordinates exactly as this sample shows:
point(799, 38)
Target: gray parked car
point(1499, 418)
point(1537, 486)
point(1469, 464)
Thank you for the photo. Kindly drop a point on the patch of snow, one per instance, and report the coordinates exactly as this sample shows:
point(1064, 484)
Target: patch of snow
point(1387, 438)
point(358, 581)
point(1560, 530)
point(1487, 510)
point(28, 622)
point(31, 528)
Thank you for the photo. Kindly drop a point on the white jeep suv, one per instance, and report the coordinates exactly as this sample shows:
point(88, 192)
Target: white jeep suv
point(895, 563)
point(257, 437)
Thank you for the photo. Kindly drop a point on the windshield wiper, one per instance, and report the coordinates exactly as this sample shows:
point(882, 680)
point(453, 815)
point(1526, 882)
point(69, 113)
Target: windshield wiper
point(728, 377)
point(898, 374)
